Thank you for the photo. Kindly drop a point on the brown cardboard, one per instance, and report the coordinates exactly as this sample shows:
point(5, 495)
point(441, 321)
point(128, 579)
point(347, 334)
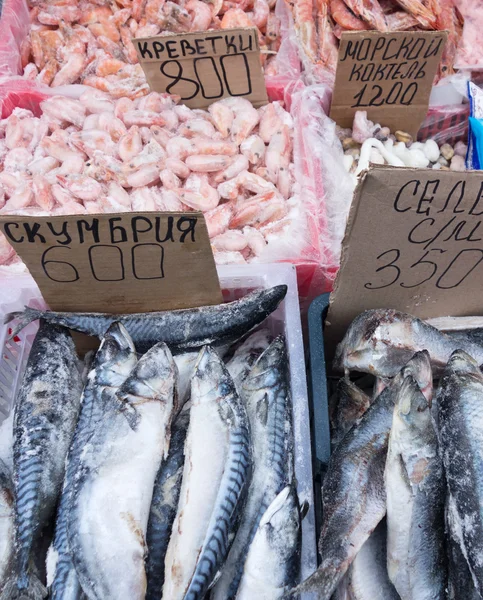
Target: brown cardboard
point(205, 66)
point(118, 263)
point(389, 75)
point(413, 242)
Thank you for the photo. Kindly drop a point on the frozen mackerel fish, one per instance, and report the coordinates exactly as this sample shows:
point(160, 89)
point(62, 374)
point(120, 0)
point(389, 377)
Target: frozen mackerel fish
point(44, 420)
point(460, 399)
point(381, 342)
point(113, 362)
point(181, 330)
point(415, 494)
point(273, 562)
point(216, 470)
point(6, 523)
point(246, 355)
point(167, 488)
point(352, 403)
point(266, 395)
point(353, 492)
point(115, 481)
point(367, 577)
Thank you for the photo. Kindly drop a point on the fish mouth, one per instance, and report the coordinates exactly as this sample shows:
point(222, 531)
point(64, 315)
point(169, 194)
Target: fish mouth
point(117, 339)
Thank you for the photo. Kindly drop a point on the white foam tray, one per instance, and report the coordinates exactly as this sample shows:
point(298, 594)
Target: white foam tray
point(16, 291)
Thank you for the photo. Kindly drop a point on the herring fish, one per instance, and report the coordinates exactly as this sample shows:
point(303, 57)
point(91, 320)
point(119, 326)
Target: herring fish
point(246, 355)
point(181, 330)
point(460, 398)
point(382, 341)
point(266, 395)
point(415, 493)
point(44, 420)
point(273, 561)
point(353, 494)
point(216, 469)
point(6, 523)
point(111, 365)
point(114, 486)
point(367, 577)
point(352, 403)
point(163, 506)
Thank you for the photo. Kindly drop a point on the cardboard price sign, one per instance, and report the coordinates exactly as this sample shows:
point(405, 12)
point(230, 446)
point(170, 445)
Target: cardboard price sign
point(118, 263)
point(205, 66)
point(413, 242)
point(389, 75)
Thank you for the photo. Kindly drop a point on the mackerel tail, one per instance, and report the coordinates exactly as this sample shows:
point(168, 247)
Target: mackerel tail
point(27, 587)
point(25, 317)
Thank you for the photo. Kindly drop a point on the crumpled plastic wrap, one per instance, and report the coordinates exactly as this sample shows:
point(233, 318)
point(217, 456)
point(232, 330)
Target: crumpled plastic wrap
point(469, 54)
point(14, 28)
point(326, 179)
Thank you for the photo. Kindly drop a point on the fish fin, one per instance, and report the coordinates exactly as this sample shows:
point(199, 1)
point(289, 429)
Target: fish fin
point(24, 316)
point(34, 591)
point(304, 509)
point(322, 582)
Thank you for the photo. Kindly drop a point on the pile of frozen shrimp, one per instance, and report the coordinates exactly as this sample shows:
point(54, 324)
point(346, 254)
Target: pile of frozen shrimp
point(79, 41)
point(97, 154)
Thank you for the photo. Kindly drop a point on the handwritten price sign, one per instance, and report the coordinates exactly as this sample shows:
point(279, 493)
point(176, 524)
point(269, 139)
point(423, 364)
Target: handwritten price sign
point(203, 67)
point(414, 242)
point(132, 262)
point(388, 74)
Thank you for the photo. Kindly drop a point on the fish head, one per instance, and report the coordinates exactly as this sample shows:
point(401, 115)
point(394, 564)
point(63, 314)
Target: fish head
point(153, 379)
point(265, 371)
point(116, 356)
point(378, 342)
point(412, 408)
point(211, 380)
point(279, 535)
point(461, 363)
point(420, 368)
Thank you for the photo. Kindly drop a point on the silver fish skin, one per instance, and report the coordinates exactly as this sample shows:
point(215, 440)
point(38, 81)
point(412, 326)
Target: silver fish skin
point(382, 341)
point(415, 492)
point(112, 363)
point(460, 398)
point(164, 505)
point(460, 580)
point(114, 487)
point(246, 355)
point(181, 330)
point(353, 492)
point(267, 397)
point(273, 561)
point(45, 415)
point(6, 523)
point(367, 577)
point(217, 469)
point(352, 403)
point(6, 441)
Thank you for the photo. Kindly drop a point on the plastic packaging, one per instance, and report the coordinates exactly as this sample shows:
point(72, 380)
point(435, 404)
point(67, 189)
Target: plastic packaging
point(474, 156)
point(236, 281)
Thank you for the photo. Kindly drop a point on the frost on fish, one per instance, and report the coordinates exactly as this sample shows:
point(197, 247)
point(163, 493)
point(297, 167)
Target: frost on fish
point(415, 494)
point(460, 398)
point(183, 330)
point(381, 341)
point(111, 365)
point(6, 441)
point(163, 507)
point(6, 523)
point(353, 493)
point(352, 403)
point(216, 469)
point(273, 561)
point(246, 355)
point(115, 479)
point(45, 415)
point(367, 578)
point(267, 398)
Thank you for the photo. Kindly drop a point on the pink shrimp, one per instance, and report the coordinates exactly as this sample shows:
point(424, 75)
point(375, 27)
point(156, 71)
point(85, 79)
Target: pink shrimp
point(47, 74)
point(279, 153)
point(122, 106)
point(17, 160)
point(201, 145)
point(260, 13)
point(208, 163)
point(177, 167)
point(230, 241)
point(143, 199)
point(42, 192)
point(253, 148)
point(218, 219)
point(54, 15)
point(129, 48)
point(261, 209)
point(41, 166)
point(223, 118)
point(235, 17)
point(246, 118)
point(239, 164)
point(201, 15)
point(71, 70)
point(169, 180)
point(144, 176)
point(94, 139)
point(114, 126)
point(131, 144)
point(30, 72)
point(96, 101)
point(22, 197)
point(67, 109)
point(195, 127)
point(81, 186)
